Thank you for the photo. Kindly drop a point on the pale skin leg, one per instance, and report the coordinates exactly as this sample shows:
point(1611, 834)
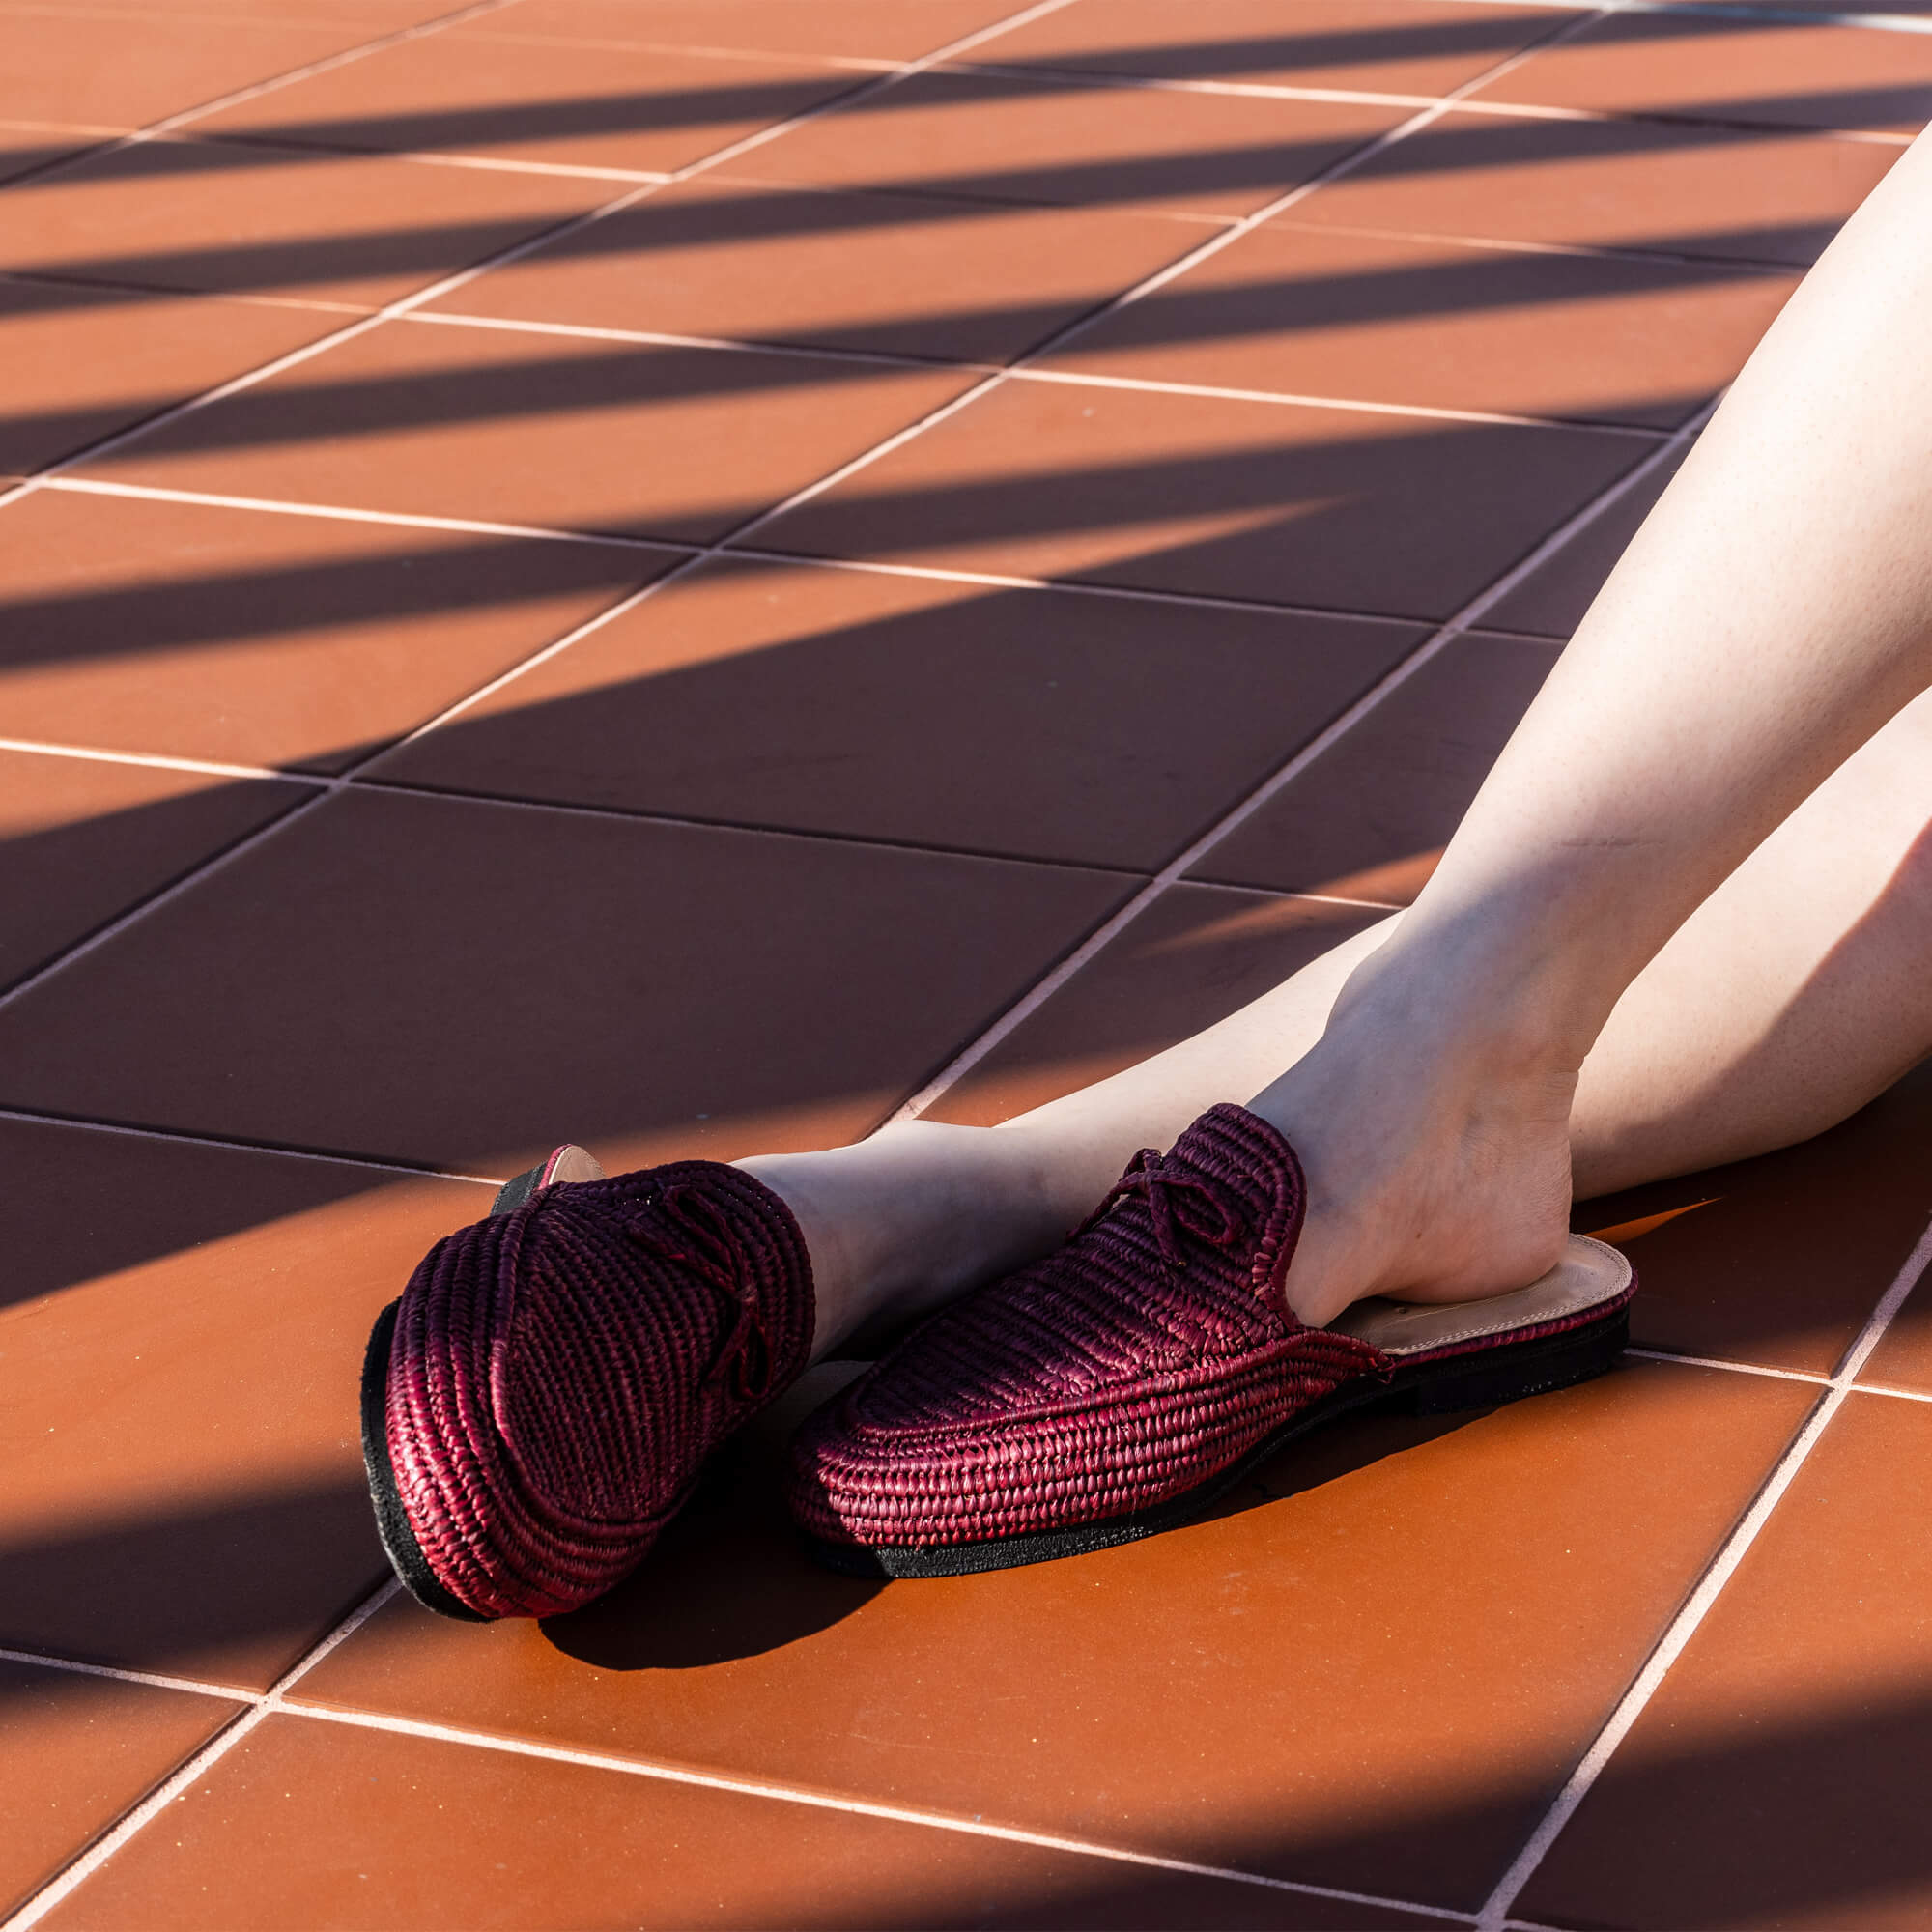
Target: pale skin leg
point(1770, 619)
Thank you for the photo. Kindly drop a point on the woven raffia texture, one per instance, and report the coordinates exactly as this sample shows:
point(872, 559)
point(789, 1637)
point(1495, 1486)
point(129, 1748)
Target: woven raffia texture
point(560, 1373)
point(1150, 1353)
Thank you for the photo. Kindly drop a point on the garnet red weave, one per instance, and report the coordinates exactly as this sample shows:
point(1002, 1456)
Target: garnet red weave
point(1151, 1351)
point(560, 1373)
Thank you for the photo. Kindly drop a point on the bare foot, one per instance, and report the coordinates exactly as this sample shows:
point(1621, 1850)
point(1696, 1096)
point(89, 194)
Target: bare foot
point(1437, 1160)
point(900, 1224)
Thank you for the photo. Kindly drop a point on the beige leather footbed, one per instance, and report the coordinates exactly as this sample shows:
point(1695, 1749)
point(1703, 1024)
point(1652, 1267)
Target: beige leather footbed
point(1588, 1273)
point(572, 1163)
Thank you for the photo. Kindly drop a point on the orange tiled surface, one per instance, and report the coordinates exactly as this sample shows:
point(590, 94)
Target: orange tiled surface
point(641, 569)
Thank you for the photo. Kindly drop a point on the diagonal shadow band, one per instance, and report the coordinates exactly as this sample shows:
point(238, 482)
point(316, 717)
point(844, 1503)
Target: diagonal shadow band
point(315, 264)
point(1263, 309)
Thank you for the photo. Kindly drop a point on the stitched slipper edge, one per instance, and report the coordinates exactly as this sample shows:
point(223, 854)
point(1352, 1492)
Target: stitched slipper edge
point(1478, 1378)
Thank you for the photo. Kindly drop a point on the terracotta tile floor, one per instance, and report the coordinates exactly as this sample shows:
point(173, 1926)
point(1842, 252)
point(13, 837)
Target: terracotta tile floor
point(692, 572)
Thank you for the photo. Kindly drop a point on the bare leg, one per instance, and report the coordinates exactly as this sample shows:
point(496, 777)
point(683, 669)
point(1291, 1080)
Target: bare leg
point(1795, 994)
point(1773, 614)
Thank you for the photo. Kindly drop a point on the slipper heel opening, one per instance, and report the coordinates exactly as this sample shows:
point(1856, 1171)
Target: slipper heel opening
point(1535, 1368)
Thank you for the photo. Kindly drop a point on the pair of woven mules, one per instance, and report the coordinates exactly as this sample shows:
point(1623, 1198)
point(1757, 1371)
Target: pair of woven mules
point(541, 1400)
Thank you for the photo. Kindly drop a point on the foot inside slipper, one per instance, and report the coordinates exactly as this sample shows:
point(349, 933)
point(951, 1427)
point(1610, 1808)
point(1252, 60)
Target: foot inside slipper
point(1116, 1388)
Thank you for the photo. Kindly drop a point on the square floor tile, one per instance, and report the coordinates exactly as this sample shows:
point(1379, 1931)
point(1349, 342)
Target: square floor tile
point(1779, 1260)
point(75, 1752)
point(1784, 72)
point(540, 430)
point(1013, 137)
point(555, 102)
point(126, 68)
point(424, 1832)
point(217, 217)
point(1037, 723)
point(1551, 600)
point(1383, 319)
point(1388, 46)
point(1677, 189)
point(1347, 509)
point(1370, 1669)
point(1370, 818)
point(1194, 956)
point(179, 1354)
point(83, 362)
point(878, 30)
point(895, 273)
point(258, 639)
point(80, 840)
point(497, 979)
point(1778, 1776)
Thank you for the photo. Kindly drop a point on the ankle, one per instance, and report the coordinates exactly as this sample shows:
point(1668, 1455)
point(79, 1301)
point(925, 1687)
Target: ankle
point(1503, 987)
point(901, 1222)
point(1498, 1028)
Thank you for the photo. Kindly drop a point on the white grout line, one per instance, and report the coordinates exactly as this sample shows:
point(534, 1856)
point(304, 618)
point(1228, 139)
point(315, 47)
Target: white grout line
point(1352, 97)
point(340, 513)
point(898, 1814)
point(1025, 373)
point(1427, 413)
point(154, 1678)
point(1891, 1394)
point(1780, 1375)
point(1741, 265)
point(62, 129)
point(431, 157)
point(1736, 1368)
point(860, 64)
point(43, 749)
point(191, 1771)
point(753, 552)
point(730, 345)
point(1731, 9)
point(32, 1117)
point(256, 90)
point(49, 279)
point(1710, 1586)
point(1178, 868)
point(1883, 23)
point(633, 816)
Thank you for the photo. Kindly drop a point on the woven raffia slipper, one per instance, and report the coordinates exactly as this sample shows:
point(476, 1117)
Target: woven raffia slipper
point(541, 1400)
point(1116, 1388)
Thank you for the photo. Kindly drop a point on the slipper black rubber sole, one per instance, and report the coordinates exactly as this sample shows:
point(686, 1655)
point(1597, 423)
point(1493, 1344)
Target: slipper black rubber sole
point(1482, 1381)
point(392, 1520)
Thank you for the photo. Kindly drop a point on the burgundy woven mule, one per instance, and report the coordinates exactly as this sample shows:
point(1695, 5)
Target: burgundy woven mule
point(1116, 1388)
point(541, 1400)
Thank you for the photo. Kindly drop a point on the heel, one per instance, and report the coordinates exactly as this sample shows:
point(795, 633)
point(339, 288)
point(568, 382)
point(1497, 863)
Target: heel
point(1531, 1368)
